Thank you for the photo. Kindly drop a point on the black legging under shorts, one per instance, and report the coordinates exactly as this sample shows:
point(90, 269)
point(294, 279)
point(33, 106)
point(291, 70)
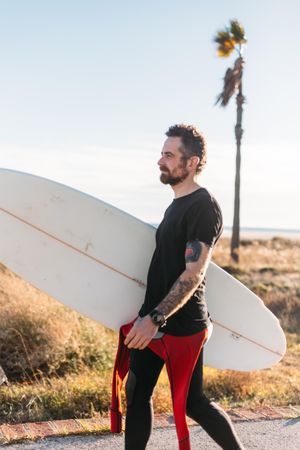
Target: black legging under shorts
point(145, 367)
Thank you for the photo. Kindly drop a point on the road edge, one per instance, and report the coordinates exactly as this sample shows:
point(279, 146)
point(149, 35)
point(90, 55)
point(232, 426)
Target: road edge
point(33, 431)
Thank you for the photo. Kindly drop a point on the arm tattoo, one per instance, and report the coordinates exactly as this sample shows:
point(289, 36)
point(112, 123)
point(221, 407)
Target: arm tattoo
point(187, 283)
point(193, 251)
point(179, 294)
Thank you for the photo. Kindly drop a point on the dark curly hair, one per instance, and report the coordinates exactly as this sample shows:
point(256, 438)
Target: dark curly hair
point(193, 142)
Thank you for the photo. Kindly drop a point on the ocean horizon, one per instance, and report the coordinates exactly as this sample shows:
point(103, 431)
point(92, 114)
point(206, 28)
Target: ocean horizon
point(264, 233)
point(261, 232)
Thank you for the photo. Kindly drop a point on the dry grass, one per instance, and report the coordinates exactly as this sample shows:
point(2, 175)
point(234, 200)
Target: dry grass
point(271, 269)
point(279, 254)
point(72, 396)
point(40, 339)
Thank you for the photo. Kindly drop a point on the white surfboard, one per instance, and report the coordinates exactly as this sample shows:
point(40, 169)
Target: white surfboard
point(94, 258)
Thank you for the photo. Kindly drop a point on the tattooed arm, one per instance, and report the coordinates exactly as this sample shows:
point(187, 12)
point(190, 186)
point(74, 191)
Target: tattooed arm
point(197, 257)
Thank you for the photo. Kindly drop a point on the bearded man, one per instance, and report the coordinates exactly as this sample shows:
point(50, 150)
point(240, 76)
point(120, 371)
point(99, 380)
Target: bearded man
point(174, 322)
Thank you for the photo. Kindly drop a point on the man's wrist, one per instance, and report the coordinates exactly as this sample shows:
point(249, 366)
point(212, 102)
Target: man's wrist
point(158, 318)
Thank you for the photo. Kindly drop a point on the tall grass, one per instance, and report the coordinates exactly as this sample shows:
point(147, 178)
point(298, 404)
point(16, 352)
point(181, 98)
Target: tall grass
point(271, 269)
point(40, 337)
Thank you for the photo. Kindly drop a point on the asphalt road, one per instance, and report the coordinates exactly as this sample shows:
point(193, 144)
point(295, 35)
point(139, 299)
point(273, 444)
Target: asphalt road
point(262, 435)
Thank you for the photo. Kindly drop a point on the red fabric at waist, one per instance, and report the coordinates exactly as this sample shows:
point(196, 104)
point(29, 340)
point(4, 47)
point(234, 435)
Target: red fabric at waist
point(180, 354)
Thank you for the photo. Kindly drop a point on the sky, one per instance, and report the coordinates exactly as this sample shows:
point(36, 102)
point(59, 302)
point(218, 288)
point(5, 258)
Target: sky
point(88, 89)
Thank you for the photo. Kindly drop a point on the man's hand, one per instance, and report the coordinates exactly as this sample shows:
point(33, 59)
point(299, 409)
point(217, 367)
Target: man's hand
point(141, 333)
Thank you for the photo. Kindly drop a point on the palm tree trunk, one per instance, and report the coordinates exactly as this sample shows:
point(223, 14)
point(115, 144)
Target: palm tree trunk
point(235, 239)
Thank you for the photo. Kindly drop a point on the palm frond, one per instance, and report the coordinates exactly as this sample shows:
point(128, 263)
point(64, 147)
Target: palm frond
point(225, 43)
point(223, 52)
point(221, 37)
point(238, 32)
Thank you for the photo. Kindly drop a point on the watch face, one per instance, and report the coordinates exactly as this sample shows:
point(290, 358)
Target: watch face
point(158, 318)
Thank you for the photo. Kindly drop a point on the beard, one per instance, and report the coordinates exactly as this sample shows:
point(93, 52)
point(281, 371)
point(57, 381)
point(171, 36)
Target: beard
point(172, 179)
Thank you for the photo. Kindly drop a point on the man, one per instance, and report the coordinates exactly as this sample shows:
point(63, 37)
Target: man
point(174, 303)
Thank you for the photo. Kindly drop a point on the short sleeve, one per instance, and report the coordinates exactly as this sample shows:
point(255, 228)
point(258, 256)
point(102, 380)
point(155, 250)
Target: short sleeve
point(204, 222)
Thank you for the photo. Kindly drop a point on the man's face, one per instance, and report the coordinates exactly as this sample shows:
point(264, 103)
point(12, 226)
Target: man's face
point(171, 164)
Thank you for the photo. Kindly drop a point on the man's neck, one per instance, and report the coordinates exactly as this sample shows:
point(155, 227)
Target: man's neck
point(185, 188)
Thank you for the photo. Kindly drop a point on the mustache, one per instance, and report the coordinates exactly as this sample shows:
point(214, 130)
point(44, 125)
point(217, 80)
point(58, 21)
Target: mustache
point(164, 168)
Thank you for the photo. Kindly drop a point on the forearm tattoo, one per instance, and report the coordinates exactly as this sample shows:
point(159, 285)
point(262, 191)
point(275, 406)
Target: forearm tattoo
point(187, 283)
point(179, 294)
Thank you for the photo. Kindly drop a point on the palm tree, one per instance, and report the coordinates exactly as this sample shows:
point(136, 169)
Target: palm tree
point(232, 40)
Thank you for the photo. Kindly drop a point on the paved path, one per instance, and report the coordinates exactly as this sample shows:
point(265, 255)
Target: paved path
point(262, 435)
point(260, 428)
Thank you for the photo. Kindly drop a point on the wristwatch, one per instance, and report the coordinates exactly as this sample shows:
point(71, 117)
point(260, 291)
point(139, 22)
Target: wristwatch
point(158, 318)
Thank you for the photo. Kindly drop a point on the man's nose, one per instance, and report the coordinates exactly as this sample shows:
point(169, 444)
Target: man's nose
point(160, 161)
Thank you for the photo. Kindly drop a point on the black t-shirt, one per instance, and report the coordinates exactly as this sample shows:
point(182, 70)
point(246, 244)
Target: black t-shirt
point(196, 216)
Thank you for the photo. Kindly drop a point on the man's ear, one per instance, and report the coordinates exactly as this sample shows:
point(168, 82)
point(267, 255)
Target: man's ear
point(194, 161)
